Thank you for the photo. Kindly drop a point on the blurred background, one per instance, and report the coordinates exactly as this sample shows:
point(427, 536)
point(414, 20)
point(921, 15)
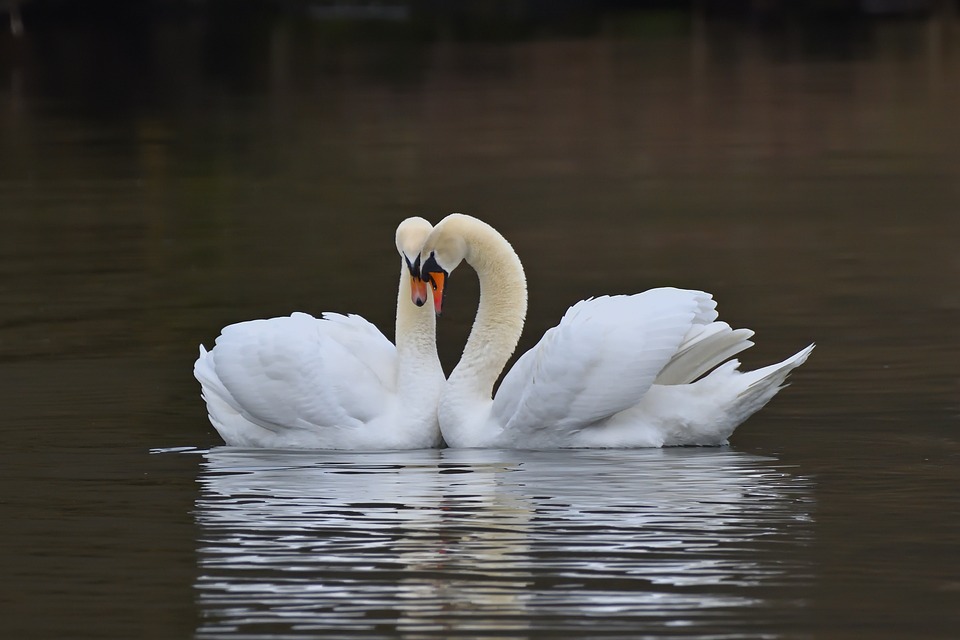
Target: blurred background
point(170, 167)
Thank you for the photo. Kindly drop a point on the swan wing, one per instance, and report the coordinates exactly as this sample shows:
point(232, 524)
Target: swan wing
point(365, 342)
point(304, 372)
point(601, 359)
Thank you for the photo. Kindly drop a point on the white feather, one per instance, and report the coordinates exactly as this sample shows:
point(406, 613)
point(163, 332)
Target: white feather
point(646, 370)
point(330, 383)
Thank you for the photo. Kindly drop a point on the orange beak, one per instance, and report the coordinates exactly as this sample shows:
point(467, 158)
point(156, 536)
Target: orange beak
point(418, 291)
point(437, 279)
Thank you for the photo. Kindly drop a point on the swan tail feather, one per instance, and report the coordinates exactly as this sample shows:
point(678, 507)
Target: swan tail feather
point(758, 387)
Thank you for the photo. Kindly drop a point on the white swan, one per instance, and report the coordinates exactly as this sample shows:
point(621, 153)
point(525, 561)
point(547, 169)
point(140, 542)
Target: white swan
point(330, 383)
point(618, 371)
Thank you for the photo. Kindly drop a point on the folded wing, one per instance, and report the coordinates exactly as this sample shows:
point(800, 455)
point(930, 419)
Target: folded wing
point(601, 359)
point(302, 372)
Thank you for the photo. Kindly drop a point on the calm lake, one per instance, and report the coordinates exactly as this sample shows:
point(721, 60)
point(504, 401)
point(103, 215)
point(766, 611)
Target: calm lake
point(164, 178)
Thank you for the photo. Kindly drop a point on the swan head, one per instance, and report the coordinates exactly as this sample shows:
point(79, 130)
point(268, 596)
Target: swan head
point(443, 251)
point(411, 234)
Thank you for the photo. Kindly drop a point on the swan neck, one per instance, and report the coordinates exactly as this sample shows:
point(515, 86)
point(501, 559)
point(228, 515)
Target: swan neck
point(500, 313)
point(416, 339)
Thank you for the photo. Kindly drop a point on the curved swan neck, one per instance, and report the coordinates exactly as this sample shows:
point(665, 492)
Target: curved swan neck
point(501, 311)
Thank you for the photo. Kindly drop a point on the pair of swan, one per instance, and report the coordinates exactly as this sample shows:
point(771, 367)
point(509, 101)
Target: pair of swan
point(617, 371)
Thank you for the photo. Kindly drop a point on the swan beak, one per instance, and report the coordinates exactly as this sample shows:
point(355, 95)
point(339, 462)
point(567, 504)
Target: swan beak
point(437, 280)
point(437, 276)
point(418, 291)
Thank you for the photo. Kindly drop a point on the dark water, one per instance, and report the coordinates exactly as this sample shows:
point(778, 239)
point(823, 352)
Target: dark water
point(157, 186)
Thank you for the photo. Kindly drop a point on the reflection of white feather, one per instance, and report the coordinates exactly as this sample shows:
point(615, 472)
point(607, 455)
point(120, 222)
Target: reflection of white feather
point(446, 539)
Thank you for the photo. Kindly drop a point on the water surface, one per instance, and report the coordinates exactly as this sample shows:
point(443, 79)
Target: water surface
point(160, 182)
point(433, 543)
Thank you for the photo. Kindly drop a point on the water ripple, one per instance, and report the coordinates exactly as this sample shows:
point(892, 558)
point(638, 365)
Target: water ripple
point(677, 542)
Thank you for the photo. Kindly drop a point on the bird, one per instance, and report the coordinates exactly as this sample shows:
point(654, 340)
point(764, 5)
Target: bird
point(618, 371)
point(334, 382)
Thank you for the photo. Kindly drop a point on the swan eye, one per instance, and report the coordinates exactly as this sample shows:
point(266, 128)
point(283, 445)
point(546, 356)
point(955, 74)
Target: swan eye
point(414, 266)
point(431, 267)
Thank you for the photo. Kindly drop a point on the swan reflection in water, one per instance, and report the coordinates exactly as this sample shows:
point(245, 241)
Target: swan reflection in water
point(441, 542)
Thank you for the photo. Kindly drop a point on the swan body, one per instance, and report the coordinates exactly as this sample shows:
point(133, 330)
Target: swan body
point(617, 371)
point(333, 382)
